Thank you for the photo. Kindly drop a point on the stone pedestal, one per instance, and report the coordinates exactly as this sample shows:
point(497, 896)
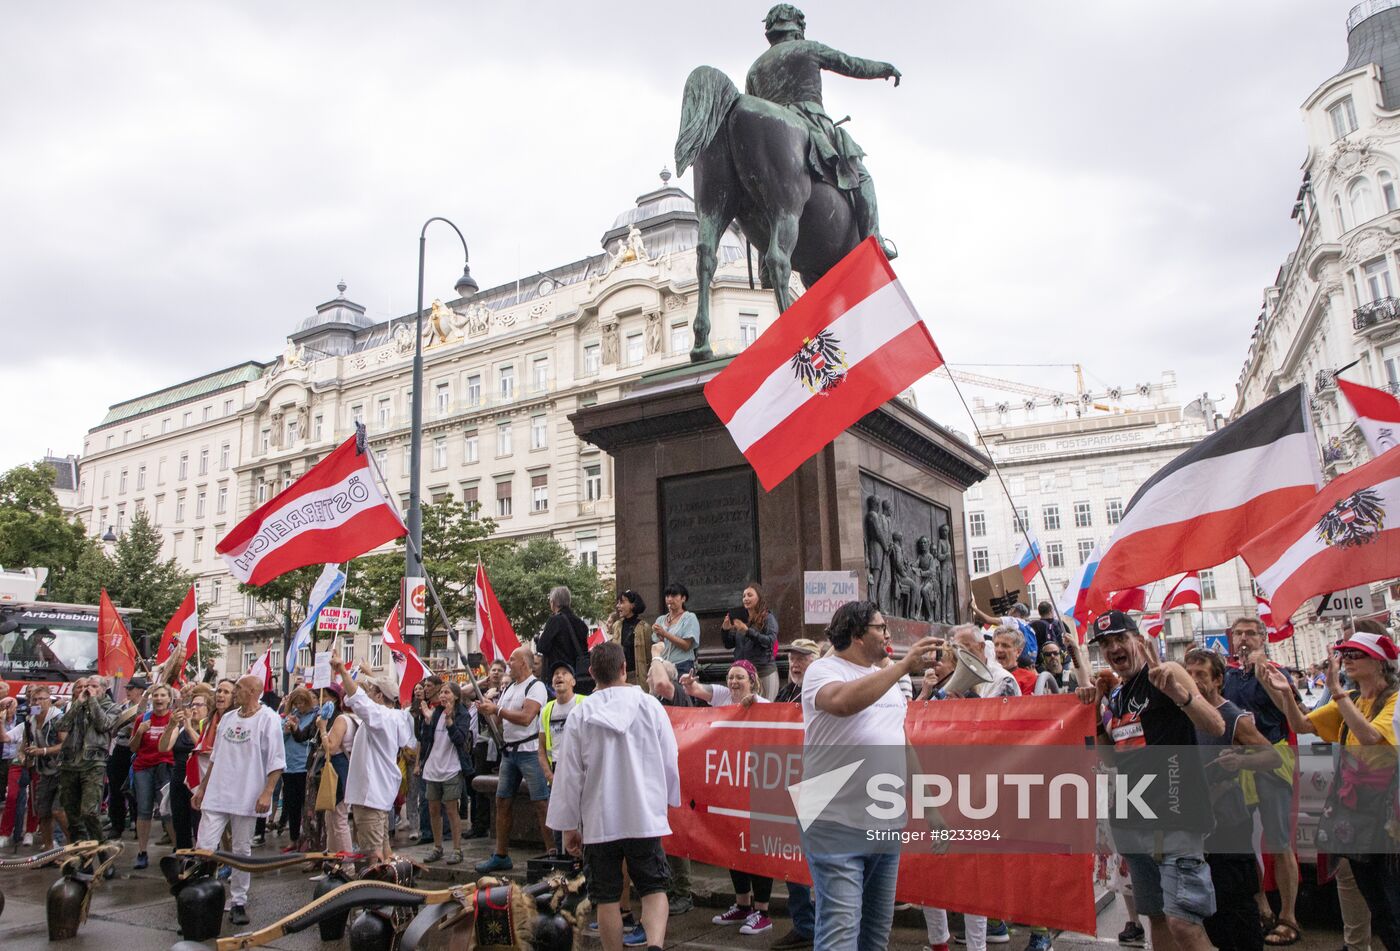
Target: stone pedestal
point(689, 508)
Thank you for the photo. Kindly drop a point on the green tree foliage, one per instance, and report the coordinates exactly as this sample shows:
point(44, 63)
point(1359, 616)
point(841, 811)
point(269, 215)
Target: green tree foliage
point(522, 574)
point(34, 533)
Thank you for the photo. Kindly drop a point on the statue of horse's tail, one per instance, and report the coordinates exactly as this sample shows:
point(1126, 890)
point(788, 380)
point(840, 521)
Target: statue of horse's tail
point(709, 95)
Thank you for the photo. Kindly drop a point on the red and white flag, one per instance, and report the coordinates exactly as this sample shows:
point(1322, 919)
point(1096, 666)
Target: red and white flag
point(182, 629)
point(333, 513)
point(1133, 599)
point(393, 630)
point(495, 637)
point(116, 653)
point(1187, 593)
point(844, 348)
point(1198, 510)
point(408, 666)
point(1266, 616)
point(1151, 625)
point(1347, 535)
point(262, 667)
point(596, 637)
point(1377, 415)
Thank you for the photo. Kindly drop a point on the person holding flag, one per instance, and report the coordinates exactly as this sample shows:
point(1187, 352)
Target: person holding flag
point(327, 586)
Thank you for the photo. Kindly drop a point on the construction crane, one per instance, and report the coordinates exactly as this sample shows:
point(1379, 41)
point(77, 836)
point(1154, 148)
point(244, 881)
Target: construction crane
point(1055, 397)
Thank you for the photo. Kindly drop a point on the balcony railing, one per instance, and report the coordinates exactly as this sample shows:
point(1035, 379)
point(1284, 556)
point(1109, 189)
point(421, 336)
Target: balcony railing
point(1376, 312)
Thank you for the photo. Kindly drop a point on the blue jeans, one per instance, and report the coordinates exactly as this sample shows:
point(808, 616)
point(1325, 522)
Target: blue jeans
point(801, 910)
point(425, 827)
point(854, 900)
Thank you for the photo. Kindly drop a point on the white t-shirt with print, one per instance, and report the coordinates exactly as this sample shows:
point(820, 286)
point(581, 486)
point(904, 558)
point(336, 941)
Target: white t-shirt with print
point(513, 698)
point(722, 696)
point(246, 750)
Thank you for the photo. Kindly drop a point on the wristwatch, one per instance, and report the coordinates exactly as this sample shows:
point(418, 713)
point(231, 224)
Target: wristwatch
point(1183, 706)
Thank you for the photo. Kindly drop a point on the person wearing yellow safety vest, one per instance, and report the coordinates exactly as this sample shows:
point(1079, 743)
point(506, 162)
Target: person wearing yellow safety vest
point(552, 721)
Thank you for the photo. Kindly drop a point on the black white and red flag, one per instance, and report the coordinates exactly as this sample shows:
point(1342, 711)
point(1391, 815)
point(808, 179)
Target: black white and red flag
point(1345, 536)
point(1198, 510)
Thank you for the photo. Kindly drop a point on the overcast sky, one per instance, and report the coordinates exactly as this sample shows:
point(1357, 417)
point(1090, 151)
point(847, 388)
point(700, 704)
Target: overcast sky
point(1107, 183)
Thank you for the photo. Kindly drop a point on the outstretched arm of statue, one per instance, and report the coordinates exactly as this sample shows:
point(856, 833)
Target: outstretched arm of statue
point(854, 66)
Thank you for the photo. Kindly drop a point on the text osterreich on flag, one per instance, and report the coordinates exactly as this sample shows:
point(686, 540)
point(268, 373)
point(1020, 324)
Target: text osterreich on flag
point(1200, 508)
point(333, 513)
point(1344, 536)
point(844, 348)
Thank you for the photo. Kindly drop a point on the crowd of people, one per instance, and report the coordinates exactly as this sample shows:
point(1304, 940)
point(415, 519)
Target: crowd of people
point(219, 763)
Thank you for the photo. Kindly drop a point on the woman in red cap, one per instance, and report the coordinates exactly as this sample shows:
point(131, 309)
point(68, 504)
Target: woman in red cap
point(1363, 793)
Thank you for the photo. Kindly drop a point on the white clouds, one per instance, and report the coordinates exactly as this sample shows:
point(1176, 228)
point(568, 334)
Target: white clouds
point(1101, 182)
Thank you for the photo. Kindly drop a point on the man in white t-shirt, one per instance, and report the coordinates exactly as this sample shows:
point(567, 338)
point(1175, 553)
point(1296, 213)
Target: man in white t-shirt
point(518, 710)
point(247, 760)
point(373, 783)
point(849, 703)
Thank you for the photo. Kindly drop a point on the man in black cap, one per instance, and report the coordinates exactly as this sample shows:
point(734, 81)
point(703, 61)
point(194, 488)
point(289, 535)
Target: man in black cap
point(1159, 705)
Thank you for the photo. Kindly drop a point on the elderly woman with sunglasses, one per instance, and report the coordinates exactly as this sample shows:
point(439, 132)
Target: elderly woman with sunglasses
point(1363, 722)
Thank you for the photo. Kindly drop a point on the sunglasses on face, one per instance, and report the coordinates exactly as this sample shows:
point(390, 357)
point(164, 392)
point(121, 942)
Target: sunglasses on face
point(1351, 654)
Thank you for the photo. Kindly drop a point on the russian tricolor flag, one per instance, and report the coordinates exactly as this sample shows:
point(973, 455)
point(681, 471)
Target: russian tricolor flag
point(1028, 557)
point(1073, 601)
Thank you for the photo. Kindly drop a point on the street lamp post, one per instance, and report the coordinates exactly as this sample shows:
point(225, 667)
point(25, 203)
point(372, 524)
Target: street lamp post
point(413, 569)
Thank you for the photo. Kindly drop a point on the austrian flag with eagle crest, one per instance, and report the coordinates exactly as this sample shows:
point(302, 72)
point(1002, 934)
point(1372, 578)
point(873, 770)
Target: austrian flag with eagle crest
point(1355, 520)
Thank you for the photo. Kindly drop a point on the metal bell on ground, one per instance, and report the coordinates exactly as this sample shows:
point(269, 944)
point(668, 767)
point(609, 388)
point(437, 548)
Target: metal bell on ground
point(199, 907)
point(65, 907)
point(371, 931)
point(332, 928)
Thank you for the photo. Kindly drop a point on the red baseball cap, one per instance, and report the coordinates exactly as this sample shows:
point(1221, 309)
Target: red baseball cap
point(1372, 645)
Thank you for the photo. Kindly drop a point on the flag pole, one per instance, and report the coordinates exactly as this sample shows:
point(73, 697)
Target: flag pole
point(1081, 663)
point(442, 612)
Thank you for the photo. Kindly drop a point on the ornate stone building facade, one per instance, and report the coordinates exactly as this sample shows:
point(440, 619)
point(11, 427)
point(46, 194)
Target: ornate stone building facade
point(502, 373)
point(1334, 305)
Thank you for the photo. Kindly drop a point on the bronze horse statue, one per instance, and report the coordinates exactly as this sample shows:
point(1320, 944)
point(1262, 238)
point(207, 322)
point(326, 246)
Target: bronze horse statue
point(750, 160)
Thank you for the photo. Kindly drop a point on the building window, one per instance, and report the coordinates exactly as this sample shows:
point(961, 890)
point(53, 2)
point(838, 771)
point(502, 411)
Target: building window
point(442, 398)
point(199, 504)
point(347, 652)
point(357, 414)
point(204, 461)
point(376, 652)
point(1054, 555)
point(1337, 213)
point(440, 452)
point(265, 441)
point(216, 590)
point(1021, 522)
point(198, 546)
point(588, 551)
point(539, 492)
point(249, 658)
point(221, 500)
point(165, 426)
point(381, 459)
point(592, 358)
point(1113, 508)
point(470, 495)
point(262, 491)
point(977, 524)
point(304, 658)
point(1343, 116)
point(506, 379)
point(1208, 585)
point(179, 508)
point(228, 407)
point(121, 483)
point(470, 450)
point(680, 338)
point(748, 329)
point(474, 389)
point(636, 349)
point(503, 504)
point(503, 439)
point(208, 413)
point(1386, 181)
point(539, 374)
point(539, 432)
point(317, 428)
point(407, 461)
point(1050, 518)
point(1083, 515)
point(1361, 200)
point(225, 452)
point(385, 412)
point(981, 564)
point(106, 483)
point(1377, 276)
point(140, 478)
point(186, 418)
point(1086, 549)
point(121, 517)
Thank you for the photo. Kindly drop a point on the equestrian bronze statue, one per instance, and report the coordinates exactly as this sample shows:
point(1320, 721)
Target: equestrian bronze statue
point(773, 160)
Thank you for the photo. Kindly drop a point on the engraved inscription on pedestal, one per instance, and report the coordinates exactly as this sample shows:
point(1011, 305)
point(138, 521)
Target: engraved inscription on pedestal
point(709, 536)
point(909, 567)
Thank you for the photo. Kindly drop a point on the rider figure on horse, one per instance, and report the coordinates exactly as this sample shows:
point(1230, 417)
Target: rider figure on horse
point(789, 74)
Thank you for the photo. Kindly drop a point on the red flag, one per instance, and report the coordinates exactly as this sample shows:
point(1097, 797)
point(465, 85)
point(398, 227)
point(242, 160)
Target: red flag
point(407, 664)
point(1186, 593)
point(1133, 599)
point(116, 654)
point(393, 629)
point(849, 344)
point(262, 667)
point(1266, 615)
point(1341, 538)
point(182, 629)
point(1377, 414)
point(333, 513)
point(596, 637)
point(495, 636)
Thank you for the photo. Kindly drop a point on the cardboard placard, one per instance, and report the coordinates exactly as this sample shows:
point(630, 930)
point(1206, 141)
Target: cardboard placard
point(825, 591)
point(996, 592)
point(321, 675)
